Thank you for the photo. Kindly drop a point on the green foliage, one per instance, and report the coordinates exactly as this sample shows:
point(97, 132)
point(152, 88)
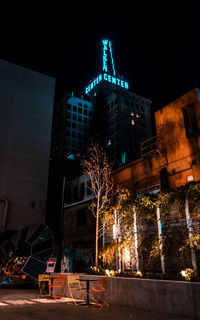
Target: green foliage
point(188, 274)
point(175, 238)
point(108, 253)
point(194, 241)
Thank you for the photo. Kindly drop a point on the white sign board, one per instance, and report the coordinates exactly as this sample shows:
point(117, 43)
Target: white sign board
point(150, 190)
point(51, 264)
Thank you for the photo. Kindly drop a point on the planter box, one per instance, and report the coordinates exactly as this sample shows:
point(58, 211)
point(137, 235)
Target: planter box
point(171, 297)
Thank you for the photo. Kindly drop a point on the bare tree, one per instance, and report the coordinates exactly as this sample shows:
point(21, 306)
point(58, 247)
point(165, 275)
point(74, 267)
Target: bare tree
point(96, 166)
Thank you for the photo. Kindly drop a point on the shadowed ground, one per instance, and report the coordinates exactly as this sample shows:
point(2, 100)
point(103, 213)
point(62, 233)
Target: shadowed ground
point(19, 304)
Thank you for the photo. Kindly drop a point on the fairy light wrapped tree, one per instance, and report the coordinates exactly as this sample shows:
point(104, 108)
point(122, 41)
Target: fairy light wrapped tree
point(96, 166)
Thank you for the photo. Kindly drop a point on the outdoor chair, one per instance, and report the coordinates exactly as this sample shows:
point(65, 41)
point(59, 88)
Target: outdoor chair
point(43, 284)
point(75, 288)
point(58, 286)
point(96, 292)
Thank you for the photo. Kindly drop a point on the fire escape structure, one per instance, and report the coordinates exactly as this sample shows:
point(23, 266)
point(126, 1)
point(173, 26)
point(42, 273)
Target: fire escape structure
point(153, 146)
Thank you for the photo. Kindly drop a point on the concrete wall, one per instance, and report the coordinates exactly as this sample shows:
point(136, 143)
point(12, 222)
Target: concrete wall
point(26, 106)
point(171, 297)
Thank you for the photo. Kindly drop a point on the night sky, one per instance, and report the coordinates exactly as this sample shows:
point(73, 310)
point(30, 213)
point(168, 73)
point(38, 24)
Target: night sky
point(160, 60)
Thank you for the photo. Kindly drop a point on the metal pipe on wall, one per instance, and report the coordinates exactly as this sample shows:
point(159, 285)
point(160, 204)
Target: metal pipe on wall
point(3, 222)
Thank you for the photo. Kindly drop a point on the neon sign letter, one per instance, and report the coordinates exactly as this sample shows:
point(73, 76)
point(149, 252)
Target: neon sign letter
point(113, 67)
point(108, 78)
point(105, 44)
point(108, 73)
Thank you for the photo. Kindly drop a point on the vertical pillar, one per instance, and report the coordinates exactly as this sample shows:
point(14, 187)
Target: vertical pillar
point(115, 237)
point(119, 255)
point(103, 235)
point(103, 240)
point(159, 223)
point(189, 227)
point(136, 240)
point(62, 231)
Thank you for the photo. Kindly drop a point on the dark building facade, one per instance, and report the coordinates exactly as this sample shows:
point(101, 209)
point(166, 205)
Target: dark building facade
point(26, 108)
point(78, 227)
point(123, 122)
point(72, 126)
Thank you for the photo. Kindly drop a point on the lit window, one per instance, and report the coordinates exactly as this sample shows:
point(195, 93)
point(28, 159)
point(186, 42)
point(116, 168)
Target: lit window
point(133, 122)
point(132, 114)
point(137, 115)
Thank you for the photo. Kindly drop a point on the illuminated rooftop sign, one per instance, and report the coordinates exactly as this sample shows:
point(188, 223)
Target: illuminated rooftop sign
point(108, 78)
point(108, 70)
point(107, 49)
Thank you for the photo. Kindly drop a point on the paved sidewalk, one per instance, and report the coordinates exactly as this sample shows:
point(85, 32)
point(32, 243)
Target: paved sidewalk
point(18, 304)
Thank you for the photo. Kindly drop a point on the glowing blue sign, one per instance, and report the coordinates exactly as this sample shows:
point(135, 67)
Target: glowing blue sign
point(105, 66)
point(123, 155)
point(112, 61)
point(108, 78)
point(107, 43)
point(108, 74)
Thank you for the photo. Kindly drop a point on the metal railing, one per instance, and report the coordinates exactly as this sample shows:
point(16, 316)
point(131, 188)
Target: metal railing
point(148, 147)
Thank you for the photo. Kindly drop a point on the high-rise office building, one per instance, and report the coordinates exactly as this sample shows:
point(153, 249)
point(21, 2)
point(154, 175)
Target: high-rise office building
point(72, 127)
point(125, 121)
point(121, 119)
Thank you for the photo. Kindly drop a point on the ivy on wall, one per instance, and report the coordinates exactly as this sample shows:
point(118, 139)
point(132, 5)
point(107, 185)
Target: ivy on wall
point(176, 242)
